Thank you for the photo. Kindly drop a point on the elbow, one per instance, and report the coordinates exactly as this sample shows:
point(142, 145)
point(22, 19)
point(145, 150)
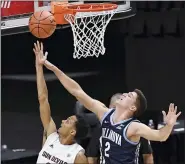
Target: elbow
point(42, 98)
point(163, 139)
point(77, 92)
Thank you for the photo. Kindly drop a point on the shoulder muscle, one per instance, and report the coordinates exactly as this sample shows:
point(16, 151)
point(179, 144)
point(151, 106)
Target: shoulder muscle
point(81, 158)
point(51, 128)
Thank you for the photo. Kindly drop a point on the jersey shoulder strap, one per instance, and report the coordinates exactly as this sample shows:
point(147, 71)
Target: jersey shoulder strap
point(107, 114)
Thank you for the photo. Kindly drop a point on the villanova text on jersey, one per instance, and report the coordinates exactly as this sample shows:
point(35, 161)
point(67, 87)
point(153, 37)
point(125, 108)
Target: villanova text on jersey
point(115, 147)
point(111, 135)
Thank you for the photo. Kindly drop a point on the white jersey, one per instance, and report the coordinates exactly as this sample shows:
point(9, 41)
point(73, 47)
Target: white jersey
point(56, 153)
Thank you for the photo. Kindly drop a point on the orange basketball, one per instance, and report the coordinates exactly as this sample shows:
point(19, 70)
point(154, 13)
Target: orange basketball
point(42, 24)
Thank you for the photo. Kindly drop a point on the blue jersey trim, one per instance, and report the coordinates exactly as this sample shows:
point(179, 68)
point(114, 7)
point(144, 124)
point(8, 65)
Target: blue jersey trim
point(105, 115)
point(125, 136)
point(121, 122)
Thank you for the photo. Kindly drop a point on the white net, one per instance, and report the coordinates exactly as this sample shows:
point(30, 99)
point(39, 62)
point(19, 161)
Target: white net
point(88, 32)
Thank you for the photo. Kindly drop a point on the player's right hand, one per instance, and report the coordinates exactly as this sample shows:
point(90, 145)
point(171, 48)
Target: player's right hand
point(40, 56)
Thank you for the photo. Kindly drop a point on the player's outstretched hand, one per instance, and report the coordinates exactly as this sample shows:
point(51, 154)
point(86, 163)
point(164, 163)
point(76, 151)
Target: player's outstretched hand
point(171, 118)
point(39, 54)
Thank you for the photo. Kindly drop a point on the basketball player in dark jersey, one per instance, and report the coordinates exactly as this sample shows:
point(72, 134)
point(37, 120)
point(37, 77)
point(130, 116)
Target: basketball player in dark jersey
point(146, 152)
point(121, 132)
point(93, 147)
point(90, 144)
point(145, 149)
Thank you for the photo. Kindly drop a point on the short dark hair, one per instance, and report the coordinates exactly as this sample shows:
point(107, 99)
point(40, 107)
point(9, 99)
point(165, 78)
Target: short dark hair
point(141, 103)
point(82, 127)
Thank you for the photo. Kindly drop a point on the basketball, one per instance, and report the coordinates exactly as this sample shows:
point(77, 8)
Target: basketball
point(42, 24)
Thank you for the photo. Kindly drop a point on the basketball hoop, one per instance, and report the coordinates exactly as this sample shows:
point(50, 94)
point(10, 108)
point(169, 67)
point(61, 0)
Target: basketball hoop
point(88, 23)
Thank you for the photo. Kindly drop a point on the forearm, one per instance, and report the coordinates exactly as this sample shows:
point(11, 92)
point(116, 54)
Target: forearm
point(41, 84)
point(71, 86)
point(146, 132)
point(74, 88)
point(45, 113)
point(165, 132)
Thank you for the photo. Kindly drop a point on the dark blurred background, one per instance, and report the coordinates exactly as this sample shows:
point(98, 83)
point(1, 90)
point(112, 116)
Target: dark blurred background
point(146, 52)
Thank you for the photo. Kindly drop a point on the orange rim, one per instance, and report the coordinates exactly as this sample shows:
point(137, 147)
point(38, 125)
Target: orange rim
point(59, 9)
point(94, 7)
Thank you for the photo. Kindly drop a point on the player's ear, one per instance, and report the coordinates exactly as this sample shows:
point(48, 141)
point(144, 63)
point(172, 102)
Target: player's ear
point(73, 132)
point(133, 108)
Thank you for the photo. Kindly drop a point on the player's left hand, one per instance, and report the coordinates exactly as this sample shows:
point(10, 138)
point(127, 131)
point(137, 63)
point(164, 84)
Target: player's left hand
point(40, 56)
point(171, 118)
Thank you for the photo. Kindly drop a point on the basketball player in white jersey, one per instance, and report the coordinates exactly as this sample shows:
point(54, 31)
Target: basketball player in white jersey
point(58, 147)
point(120, 131)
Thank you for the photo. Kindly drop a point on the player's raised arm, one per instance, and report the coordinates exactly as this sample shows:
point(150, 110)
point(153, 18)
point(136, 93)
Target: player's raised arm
point(45, 113)
point(74, 88)
point(158, 135)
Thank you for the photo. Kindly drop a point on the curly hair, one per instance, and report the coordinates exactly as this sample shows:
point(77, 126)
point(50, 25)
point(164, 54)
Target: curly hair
point(82, 127)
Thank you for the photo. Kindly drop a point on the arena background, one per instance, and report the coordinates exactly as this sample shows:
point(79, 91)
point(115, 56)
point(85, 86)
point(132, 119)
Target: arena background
point(142, 52)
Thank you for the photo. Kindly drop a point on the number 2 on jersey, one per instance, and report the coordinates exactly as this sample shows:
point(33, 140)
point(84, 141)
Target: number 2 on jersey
point(107, 148)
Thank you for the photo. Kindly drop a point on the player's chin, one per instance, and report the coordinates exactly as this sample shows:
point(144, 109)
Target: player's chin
point(59, 130)
point(119, 103)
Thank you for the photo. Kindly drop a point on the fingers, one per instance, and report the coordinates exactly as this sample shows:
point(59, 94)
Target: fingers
point(35, 45)
point(164, 113)
point(34, 51)
point(38, 45)
point(178, 114)
point(171, 107)
point(46, 54)
point(41, 46)
point(175, 111)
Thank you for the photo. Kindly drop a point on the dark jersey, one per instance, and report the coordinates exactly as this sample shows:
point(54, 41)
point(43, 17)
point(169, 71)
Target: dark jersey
point(145, 148)
point(93, 147)
point(116, 148)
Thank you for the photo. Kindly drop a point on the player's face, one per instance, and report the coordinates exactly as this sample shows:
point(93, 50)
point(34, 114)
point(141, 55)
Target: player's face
point(68, 126)
point(127, 100)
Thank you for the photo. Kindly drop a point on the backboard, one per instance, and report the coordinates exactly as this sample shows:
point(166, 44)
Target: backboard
point(15, 14)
